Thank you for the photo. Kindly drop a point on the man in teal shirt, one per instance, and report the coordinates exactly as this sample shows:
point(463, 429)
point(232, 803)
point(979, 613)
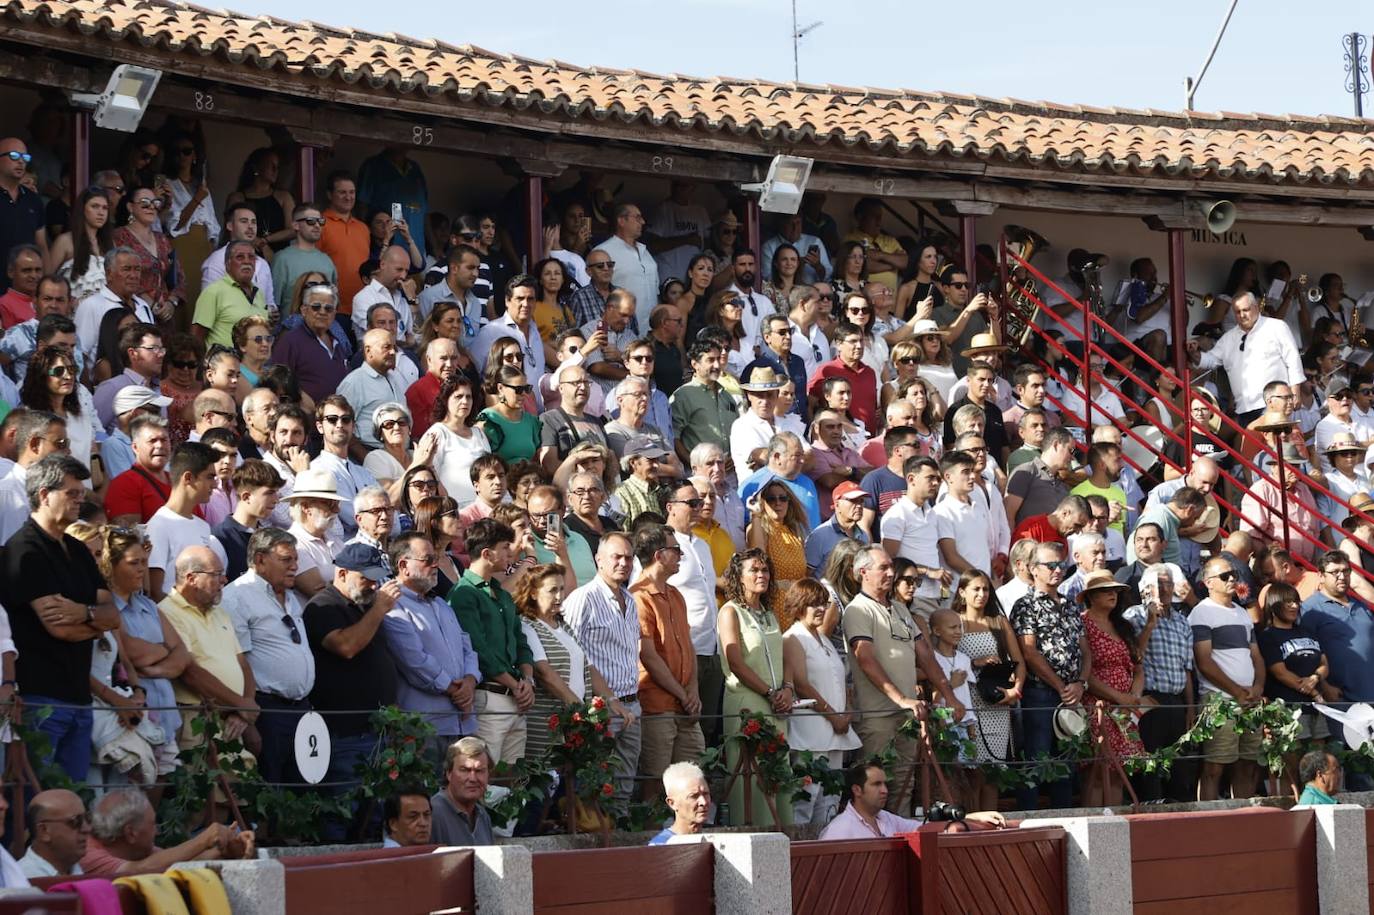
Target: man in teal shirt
point(1322, 773)
point(488, 615)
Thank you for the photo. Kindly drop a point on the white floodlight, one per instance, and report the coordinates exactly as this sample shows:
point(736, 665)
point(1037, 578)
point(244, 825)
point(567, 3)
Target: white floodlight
point(781, 191)
point(125, 99)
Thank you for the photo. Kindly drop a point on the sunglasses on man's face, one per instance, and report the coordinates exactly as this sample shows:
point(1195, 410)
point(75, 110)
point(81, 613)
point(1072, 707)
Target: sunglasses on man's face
point(15, 155)
point(312, 220)
point(331, 419)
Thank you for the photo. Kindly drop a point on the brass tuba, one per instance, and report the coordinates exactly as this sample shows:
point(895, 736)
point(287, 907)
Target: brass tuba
point(1022, 295)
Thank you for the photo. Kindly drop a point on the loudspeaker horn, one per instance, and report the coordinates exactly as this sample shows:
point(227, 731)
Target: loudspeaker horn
point(1219, 214)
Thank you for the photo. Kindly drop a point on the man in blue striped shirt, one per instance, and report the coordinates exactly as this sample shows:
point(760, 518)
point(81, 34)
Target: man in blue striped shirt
point(602, 616)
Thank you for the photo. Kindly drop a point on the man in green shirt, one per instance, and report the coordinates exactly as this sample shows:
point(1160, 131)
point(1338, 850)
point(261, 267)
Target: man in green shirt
point(1322, 773)
point(302, 256)
point(488, 615)
point(230, 298)
point(1104, 465)
point(702, 410)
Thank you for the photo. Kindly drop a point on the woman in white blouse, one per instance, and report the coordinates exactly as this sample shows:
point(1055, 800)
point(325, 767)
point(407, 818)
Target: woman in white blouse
point(818, 672)
point(189, 217)
point(456, 441)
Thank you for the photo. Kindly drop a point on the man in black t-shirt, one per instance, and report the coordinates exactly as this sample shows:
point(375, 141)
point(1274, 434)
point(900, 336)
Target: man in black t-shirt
point(57, 606)
point(21, 210)
point(353, 668)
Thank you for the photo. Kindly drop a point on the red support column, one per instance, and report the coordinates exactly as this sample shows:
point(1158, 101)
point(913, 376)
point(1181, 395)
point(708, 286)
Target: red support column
point(753, 228)
point(534, 220)
point(968, 238)
point(81, 152)
point(1178, 304)
point(305, 174)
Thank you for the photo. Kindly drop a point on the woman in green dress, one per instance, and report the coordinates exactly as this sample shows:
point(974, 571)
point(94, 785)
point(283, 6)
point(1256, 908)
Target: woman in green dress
point(756, 674)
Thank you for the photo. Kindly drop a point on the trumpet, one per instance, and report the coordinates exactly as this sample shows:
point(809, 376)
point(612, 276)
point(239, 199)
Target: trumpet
point(1205, 298)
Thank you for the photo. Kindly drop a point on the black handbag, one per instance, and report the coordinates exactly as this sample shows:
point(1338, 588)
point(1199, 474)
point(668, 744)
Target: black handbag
point(995, 679)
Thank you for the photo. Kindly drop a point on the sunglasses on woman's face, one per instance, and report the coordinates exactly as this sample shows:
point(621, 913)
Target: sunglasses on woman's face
point(521, 389)
point(183, 363)
point(777, 498)
point(389, 424)
point(61, 371)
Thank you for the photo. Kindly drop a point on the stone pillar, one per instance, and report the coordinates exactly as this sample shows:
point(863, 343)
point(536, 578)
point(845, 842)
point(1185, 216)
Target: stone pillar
point(502, 879)
point(1342, 858)
point(753, 873)
point(254, 887)
point(1099, 864)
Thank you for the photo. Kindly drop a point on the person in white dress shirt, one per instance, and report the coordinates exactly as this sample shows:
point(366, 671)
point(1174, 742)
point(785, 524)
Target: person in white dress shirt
point(123, 273)
point(757, 306)
point(635, 268)
point(1258, 350)
point(385, 287)
point(60, 828)
point(241, 222)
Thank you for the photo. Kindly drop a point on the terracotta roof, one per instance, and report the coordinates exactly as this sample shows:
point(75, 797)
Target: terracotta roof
point(1264, 148)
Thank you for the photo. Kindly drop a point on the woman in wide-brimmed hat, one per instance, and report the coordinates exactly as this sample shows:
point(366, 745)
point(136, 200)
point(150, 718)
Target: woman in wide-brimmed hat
point(1115, 675)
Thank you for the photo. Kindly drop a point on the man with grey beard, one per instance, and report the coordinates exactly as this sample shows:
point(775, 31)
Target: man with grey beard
point(353, 668)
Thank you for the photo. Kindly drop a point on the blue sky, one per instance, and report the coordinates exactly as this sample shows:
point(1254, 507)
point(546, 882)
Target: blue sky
point(1102, 53)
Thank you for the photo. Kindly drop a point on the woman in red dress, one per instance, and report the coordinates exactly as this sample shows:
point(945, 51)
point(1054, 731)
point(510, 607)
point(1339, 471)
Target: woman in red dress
point(1116, 678)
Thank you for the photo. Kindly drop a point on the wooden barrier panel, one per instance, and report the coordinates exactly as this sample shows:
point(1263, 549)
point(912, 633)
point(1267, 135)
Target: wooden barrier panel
point(1369, 850)
point(46, 903)
point(408, 881)
point(646, 880)
point(873, 876)
point(1222, 862)
point(996, 872)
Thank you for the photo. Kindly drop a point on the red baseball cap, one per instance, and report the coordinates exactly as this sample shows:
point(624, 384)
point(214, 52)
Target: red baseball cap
point(846, 490)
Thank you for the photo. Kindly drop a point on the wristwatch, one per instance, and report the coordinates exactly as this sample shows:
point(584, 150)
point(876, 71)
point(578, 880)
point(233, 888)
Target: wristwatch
point(90, 613)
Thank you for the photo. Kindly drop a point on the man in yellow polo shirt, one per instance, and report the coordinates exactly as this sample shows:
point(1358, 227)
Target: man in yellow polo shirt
point(886, 257)
point(230, 298)
point(218, 671)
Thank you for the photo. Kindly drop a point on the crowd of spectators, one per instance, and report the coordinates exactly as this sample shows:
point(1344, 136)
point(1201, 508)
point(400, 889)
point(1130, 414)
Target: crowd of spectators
point(275, 456)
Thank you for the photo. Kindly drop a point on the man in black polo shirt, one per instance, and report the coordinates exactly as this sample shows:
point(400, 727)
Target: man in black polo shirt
point(57, 605)
point(353, 668)
point(21, 210)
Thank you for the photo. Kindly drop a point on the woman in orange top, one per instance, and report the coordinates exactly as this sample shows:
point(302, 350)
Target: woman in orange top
point(778, 527)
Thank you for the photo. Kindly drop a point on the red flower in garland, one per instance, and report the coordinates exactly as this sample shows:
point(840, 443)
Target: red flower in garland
point(607, 790)
point(598, 703)
point(553, 722)
point(750, 728)
point(577, 717)
point(393, 774)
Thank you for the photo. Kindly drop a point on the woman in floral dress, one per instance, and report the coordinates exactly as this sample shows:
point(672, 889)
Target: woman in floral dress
point(1116, 678)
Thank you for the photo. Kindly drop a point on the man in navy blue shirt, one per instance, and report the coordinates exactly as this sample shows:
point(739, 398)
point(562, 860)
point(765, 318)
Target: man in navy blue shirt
point(848, 501)
point(883, 486)
point(775, 351)
point(21, 210)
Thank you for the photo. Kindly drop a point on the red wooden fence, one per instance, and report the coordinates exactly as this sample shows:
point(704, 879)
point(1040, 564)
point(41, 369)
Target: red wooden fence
point(648, 880)
point(400, 881)
point(872, 876)
point(1224, 862)
point(1001, 872)
point(1369, 850)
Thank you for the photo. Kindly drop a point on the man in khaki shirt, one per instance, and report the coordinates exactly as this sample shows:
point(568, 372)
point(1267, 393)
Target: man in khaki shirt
point(218, 672)
point(885, 648)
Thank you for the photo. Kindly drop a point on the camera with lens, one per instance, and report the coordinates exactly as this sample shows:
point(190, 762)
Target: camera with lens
point(945, 812)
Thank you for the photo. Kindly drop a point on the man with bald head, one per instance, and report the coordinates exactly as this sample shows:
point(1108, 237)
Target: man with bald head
point(441, 360)
point(212, 409)
point(375, 382)
point(387, 287)
point(1229, 663)
point(218, 672)
point(901, 413)
point(21, 221)
point(1258, 350)
point(1203, 476)
point(60, 828)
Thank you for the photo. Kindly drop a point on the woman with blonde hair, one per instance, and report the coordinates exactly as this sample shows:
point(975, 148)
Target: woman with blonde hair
point(818, 671)
point(778, 527)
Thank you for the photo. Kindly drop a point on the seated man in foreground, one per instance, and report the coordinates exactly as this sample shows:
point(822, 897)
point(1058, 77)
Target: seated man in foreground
point(124, 825)
point(862, 815)
point(689, 797)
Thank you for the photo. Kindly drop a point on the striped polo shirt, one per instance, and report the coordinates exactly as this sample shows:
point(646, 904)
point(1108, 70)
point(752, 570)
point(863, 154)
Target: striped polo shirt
point(1231, 633)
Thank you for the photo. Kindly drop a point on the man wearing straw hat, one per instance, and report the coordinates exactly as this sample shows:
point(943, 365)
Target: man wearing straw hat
point(987, 348)
point(751, 432)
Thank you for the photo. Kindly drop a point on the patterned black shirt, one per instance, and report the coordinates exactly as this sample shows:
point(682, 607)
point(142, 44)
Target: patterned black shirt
point(1058, 630)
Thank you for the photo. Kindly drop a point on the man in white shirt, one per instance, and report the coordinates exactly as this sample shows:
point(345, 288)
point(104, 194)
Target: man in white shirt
point(677, 231)
point(268, 620)
point(754, 429)
point(962, 522)
point(175, 526)
point(1340, 420)
point(385, 287)
point(464, 265)
point(815, 262)
point(123, 273)
point(635, 268)
point(1258, 350)
point(757, 306)
point(518, 325)
point(334, 420)
point(38, 434)
point(1019, 584)
point(808, 340)
point(241, 222)
point(61, 827)
point(909, 530)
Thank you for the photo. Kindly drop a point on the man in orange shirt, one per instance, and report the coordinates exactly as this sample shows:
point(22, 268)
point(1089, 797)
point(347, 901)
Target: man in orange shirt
point(345, 240)
point(667, 660)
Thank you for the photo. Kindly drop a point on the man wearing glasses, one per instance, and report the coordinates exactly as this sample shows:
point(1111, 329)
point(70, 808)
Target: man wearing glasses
point(1344, 625)
point(241, 223)
point(1340, 420)
point(334, 420)
point(588, 304)
point(1258, 350)
point(268, 620)
point(808, 337)
point(309, 349)
point(61, 827)
point(635, 268)
point(1228, 662)
point(21, 219)
point(143, 352)
point(517, 324)
point(235, 295)
point(303, 255)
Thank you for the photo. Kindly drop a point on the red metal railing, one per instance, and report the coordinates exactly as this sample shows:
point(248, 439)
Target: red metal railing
point(1091, 326)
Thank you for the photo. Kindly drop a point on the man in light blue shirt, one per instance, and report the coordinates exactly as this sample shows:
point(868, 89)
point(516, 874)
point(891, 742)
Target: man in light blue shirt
point(434, 656)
